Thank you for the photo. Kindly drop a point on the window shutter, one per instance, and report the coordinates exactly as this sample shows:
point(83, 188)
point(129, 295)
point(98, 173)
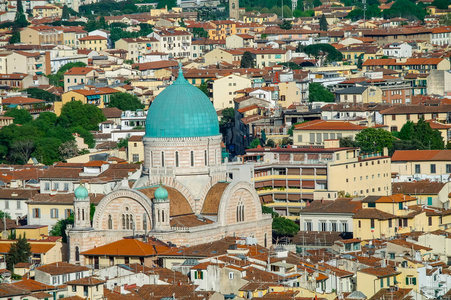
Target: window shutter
point(407, 280)
point(195, 275)
point(414, 281)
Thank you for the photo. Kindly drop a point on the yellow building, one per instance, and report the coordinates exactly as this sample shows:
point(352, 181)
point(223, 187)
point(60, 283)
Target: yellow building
point(93, 42)
point(221, 29)
point(97, 96)
point(135, 149)
point(47, 11)
point(33, 232)
point(289, 94)
point(371, 280)
point(87, 288)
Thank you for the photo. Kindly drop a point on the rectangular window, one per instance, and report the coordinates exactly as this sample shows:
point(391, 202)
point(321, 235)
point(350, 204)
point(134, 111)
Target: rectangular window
point(6, 204)
point(135, 157)
point(417, 169)
point(47, 186)
point(308, 226)
point(323, 226)
point(56, 186)
point(433, 169)
point(36, 213)
point(334, 226)
point(400, 205)
point(300, 138)
point(319, 137)
point(430, 221)
point(66, 186)
point(392, 255)
point(448, 168)
point(19, 204)
point(231, 275)
point(390, 223)
point(429, 200)
point(372, 204)
point(382, 282)
point(312, 137)
point(388, 281)
point(372, 223)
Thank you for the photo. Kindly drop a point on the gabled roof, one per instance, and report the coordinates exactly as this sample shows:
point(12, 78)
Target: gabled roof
point(373, 213)
point(328, 125)
point(89, 281)
point(127, 247)
point(397, 198)
point(341, 205)
point(423, 187)
point(59, 268)
point(78, 71)
point(421, 155)
point(380, 272)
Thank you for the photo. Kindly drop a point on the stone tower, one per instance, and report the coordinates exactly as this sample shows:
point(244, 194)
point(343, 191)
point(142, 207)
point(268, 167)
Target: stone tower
point(161, 210)
point(81, 207)
point(234, 9)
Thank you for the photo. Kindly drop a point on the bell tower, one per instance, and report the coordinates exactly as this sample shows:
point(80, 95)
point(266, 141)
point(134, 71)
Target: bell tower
point(161, 210)
point(234, 9)
point(81, 208)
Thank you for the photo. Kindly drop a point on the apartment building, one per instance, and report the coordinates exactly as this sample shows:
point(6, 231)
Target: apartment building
point(47, 11)
point(16, 81)
point(175, 43)
point(414, 165)
point(33, 63)
point(287, 178)
point(225, 88)
point(406, 66)
point(93, 42)
point(42, 34)
point(137, 47)
point(99, 97)
point(396, 116)
point(80, 76)
point(318, 131)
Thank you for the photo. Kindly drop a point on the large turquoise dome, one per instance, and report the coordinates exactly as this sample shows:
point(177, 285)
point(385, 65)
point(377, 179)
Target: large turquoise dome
point(181, 110)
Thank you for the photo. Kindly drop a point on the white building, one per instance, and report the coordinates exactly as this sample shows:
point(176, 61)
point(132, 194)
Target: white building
point(398, 50)
point(59, 273)
point(175, 43)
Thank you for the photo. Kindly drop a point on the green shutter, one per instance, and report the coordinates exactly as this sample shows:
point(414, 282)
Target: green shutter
point(388, 281)
point(414, 281)
point(382, 282)
point(407, 280)
point(195, 274)
point(201, 275)
point(401, 205)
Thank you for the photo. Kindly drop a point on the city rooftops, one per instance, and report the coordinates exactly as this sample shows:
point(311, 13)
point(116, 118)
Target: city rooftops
point(421, 155)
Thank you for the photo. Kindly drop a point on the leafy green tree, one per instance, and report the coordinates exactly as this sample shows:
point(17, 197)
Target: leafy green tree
point(445, 20)
point(269, 210)
point(19, 6)
point(65, 13)
point(15, 37)
point(228, 115)
point(247, 60)
point(42, 94)
point(21, 116)
point(122, 143)
point(323, 23)
point(59, 229)
point(405, 9)
point(406, 131)
point(431, 139)
point(4, 215)
point(57, 79)
point(347, 142)
point(441, 4)
point(125, 101)
point(47, 150)
point(204, 88)
point(76, 113)
point(20, 251)
point(167, 3)
point(360, 61)
point(283, 227)
point(286, 25)
point(255, 143)
point(287, 13)
point(325, 51)
point(199, 32)
point(297, 13)
point(318, 93)
point(21, 150)
point(372, 140)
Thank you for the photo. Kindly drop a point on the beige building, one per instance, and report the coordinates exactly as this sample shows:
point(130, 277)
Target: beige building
point(93, 42)
point(411, 165)
point(359, 94)
point(285, 178)
point(289, 93)
point(371, 280)
point(80, 76)
point(218, 55)
point(396, 116)
point(270, 57)
point(33, 63)
point(42, 34)
point(175, 43)
point(47, 11)
point(224, 89)
point(318, 131)
point(99, 97)
point(137, 47)
point(87, 288)
point(135, 149)
point(240, 41)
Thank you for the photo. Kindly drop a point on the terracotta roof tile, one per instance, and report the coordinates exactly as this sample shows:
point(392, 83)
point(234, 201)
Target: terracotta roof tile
point(328, 125)
point(89, 281)
point(59, 268)
point(127, 247)
point(421, 155)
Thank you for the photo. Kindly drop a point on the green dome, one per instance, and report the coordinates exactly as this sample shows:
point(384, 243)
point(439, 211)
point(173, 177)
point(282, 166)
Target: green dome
point(81, 192)
point(181, 110)
point(161, 193)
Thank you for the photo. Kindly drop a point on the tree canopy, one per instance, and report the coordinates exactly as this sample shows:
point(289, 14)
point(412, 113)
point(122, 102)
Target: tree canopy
point(319, 93)
point(57, 79)
point(20, 251)
point(324, 51)
point(59, 229)
point(125, 101)
point(247, 60)
point(323, 23)
point(405, 9)
point(42, 94)
point(21, 116)
point(286, 25)
point(76, 113)
point(421, 135)
point(373, 140)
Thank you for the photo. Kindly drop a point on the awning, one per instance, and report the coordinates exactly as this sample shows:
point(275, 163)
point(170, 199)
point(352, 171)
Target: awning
point(93, 97)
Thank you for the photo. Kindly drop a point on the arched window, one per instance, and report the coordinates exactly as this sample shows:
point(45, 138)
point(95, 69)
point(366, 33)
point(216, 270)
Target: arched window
point(78, 214)
point(151, 160)
point(240, 211)
point(233, 5)
point(266, 241)
point(162, 216)
point(162, 159)
point(192, 158)
point(127, 222)
point(206, 158)
point(176, 158)
point(144, 222)
point(132, 225)
point(77, 254)
point(83, 214)
point(158, 215)
point(123, 221)
point(110, 222)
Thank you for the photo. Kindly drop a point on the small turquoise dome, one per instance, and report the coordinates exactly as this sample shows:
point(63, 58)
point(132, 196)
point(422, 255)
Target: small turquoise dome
point(81, 192)
point(181, 110)
point(161, 193)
